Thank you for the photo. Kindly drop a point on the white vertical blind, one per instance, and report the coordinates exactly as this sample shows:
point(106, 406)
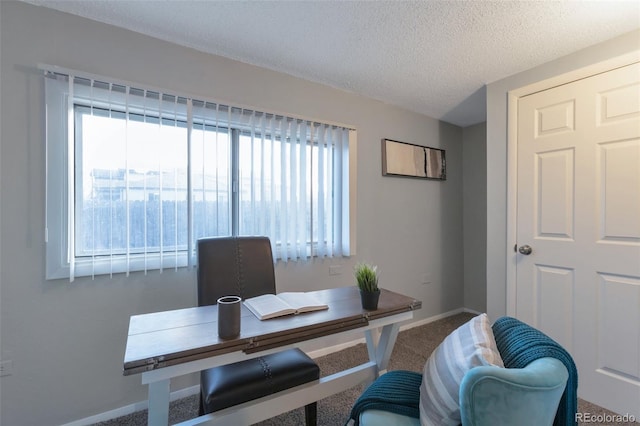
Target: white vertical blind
point(104, 170)
point(70, 184)
point(320, 204)
point(296, 185)
point(148, 173)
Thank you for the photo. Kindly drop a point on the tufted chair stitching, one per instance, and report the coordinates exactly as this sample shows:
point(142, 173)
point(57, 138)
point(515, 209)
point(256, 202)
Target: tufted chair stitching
point(265, 368)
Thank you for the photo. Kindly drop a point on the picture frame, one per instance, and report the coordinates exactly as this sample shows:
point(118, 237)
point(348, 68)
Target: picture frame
point(411, 160)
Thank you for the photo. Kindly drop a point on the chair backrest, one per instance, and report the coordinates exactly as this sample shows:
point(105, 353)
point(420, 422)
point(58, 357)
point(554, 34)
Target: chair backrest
point(526, 396)
point(519, 344)
point(234, 266)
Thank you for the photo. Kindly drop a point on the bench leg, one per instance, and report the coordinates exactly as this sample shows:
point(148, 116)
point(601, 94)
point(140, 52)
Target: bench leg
point(158, 413)
point(311, 414)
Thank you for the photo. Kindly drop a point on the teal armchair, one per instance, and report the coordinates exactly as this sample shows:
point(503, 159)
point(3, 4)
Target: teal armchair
point(513, 396)
point(537, 387)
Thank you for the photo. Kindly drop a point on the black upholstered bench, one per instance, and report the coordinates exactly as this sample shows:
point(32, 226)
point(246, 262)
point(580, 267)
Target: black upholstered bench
point(243, 381)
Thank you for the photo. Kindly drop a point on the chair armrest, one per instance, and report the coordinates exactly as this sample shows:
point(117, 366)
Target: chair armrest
point(385, 418)
point(493, 396)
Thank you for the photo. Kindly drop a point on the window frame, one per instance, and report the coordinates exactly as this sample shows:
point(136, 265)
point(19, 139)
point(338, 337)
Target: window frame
point(61, 210)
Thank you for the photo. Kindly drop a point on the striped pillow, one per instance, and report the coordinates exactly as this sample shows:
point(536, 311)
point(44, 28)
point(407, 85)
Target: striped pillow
point(471, 345)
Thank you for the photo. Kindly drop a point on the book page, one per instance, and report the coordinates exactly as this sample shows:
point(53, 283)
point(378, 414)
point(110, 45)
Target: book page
point(302, 302)
point(268, 306)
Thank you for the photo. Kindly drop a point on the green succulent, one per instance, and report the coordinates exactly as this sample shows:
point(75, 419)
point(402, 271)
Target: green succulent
point(367, 276)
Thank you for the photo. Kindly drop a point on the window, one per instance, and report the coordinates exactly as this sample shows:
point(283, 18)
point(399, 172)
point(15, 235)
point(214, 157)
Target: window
point(136, 176)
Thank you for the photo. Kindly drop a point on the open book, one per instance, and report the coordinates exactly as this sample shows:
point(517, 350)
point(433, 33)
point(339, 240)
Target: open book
point(271, 305)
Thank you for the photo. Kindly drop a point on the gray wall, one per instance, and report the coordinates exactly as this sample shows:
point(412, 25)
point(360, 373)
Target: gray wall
point(67, 340)
point(474, 216)
point(497, 93)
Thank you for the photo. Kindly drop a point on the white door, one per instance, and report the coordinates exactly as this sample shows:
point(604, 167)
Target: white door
point(579, 211)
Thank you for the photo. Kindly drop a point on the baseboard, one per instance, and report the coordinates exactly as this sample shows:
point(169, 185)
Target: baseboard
point(193, 390)
point(432, 319)
point(132, 408)
point(471, 311)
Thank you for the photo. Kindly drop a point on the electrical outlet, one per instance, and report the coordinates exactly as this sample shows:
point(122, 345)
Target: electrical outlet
point(335, 269)
point(6, 368)
point(426, 278)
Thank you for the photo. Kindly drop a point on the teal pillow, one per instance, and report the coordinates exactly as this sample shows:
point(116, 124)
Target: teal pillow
point(470, 345)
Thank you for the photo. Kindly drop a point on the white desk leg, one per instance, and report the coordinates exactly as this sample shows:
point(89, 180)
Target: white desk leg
point(386, 344)
point(380, 347)
point(372, 337)
point(159, 403)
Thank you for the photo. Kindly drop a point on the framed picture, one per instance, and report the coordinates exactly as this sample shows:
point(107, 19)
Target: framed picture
point(405, 159)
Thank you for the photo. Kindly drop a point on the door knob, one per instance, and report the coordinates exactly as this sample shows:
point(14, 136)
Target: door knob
point(525, 249)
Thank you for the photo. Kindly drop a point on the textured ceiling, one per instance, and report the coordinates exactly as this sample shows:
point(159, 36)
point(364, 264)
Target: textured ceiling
point(432, 57)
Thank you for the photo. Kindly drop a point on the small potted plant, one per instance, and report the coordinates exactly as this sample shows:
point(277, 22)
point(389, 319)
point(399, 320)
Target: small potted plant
point(367, 279)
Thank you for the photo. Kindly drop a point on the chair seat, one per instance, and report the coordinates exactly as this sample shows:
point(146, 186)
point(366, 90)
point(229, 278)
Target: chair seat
point(243, 381)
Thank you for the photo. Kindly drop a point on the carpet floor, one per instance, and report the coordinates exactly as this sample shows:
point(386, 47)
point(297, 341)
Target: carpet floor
point(410, 352)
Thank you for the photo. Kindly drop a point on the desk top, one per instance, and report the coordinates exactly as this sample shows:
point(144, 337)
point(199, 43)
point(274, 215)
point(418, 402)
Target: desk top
point(160, 339)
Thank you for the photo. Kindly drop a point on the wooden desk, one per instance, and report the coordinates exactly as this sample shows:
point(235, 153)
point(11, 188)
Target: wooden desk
point(164, 345)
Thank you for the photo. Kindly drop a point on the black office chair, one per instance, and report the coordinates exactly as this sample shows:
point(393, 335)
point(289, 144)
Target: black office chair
point(243, 266)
